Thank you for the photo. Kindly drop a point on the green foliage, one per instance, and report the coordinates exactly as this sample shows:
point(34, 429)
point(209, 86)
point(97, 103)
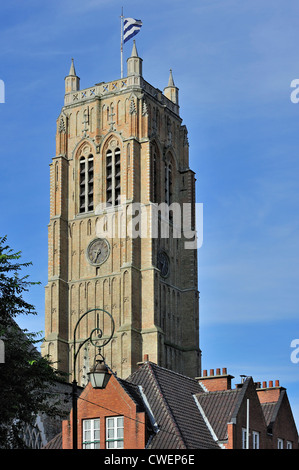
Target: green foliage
point(12, 286)
point(26, 378)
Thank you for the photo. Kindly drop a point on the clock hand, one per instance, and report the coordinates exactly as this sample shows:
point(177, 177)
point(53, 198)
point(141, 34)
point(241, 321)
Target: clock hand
point(97, 254)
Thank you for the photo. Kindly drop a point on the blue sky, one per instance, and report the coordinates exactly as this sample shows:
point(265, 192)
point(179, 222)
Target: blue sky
point(233, 63)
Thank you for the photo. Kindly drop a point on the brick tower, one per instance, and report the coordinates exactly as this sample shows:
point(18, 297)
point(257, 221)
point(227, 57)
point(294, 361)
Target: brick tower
point(119, 146)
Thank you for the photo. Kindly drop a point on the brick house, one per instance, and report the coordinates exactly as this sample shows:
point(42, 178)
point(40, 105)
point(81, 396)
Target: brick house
point(157, 408)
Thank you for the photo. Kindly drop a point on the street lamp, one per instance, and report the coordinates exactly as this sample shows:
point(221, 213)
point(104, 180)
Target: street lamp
point(98, 375)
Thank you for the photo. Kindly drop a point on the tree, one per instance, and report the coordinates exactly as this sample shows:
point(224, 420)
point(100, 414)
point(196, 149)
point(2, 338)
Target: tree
point(26, 378)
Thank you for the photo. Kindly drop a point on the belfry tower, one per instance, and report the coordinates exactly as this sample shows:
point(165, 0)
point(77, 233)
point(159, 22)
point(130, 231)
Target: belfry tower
point(121, 146)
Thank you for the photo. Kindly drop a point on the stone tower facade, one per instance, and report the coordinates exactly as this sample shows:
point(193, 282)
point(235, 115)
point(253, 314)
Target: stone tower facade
point(118, 234)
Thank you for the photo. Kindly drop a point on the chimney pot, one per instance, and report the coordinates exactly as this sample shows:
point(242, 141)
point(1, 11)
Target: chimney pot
point(264, 384)
point(270, 383)
point(276, 383)
point(205, 373)
point(217, 371)
point(224, 371)
point(211, 372)
point(145, 357)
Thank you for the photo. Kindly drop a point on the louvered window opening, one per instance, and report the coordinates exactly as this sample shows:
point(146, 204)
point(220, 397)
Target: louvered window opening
point(86, 184)
point(113, 177)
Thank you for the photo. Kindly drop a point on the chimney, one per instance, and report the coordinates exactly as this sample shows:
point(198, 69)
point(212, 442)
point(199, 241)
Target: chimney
point(215, 382)
point(145, 359)
point(271, 393)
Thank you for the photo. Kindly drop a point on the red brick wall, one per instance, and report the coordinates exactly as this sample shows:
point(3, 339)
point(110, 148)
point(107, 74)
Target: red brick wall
point(256, 420)
point(216, 382)
point(268, 395)
point(284, 426)
point(112, 401)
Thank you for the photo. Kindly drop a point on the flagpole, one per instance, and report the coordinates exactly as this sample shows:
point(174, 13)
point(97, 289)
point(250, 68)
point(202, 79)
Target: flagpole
point(121, 43)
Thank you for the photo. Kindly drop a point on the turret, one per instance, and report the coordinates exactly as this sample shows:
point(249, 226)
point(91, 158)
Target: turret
point(72, 82)
point(171, 91)
point(134, 63)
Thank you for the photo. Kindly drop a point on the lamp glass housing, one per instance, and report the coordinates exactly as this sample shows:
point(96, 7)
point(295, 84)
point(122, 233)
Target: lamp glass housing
point(99, 375)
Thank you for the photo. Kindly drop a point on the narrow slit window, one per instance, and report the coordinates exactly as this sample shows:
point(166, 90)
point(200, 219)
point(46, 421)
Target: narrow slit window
point(90, 183)
point(109, 176)
point(168, 183)
point(82, 184)
point(117, 177)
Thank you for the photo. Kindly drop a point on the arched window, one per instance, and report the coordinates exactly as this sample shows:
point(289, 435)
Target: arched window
point(113, 180)
point(86, 184)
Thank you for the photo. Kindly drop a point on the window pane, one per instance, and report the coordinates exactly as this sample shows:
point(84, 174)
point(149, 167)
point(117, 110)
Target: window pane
point(110, 422)
point(115, 432)
point(120, 421)
point(91, 434)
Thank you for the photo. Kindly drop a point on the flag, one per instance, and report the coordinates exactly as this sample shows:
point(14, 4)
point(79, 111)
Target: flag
point(131, 28)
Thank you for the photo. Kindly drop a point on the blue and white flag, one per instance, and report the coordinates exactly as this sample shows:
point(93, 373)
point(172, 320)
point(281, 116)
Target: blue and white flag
point(131, 28)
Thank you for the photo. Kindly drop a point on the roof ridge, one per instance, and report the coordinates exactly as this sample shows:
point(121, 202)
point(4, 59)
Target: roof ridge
point(276, 408)
point(242, 394)
point(165, 402)
point(173, 372)
point(215, 392)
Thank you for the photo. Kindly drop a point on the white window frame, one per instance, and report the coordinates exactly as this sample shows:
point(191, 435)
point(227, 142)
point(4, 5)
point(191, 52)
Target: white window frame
point(114, 432)
point(255, 440)
point(91, 441)
point(279, 443)
point(289, 445)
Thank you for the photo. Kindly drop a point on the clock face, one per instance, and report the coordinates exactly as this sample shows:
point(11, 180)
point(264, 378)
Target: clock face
point(98, 251)
point(163, 263)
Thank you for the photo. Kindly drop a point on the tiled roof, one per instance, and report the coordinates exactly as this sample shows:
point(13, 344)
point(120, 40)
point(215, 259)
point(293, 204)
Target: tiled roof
point(55, 443)
point(268, 410)
point(218, 408)
point(170, 396)
point(271, 409)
